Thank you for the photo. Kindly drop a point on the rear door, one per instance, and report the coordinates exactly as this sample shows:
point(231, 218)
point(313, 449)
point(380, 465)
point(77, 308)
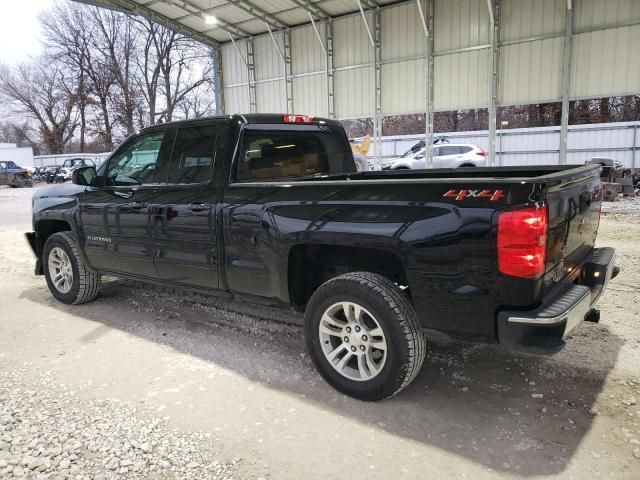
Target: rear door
point(184, 214)
point(574, 215)
point(447, 157)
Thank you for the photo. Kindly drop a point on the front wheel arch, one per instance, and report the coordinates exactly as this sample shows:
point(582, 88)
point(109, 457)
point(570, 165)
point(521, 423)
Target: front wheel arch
point(85, 281)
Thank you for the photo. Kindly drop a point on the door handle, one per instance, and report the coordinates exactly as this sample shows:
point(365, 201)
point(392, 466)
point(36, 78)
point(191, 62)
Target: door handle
point(138, 205)
point(198, 206)
point(123, 193)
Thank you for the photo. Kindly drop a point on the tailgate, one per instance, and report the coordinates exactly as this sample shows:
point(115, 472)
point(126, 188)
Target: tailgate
point(574, 216)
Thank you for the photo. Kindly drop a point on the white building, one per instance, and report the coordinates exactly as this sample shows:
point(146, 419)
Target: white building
point(22, 156)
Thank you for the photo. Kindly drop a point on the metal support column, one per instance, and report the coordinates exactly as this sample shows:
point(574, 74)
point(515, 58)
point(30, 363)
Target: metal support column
point(494, 17)
point(566, 81)
point(251, 76)
point(288, 74)
point(377, 118)
point(218, 83)
point(635, 146)
point(329, 70)
point(429, 114)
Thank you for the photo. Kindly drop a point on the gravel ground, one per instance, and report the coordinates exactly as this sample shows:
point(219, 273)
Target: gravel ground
point(206, 381)
point(623, 205)
point(47, 431)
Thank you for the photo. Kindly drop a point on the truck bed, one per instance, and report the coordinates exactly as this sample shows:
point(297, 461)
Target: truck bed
point(515, 174)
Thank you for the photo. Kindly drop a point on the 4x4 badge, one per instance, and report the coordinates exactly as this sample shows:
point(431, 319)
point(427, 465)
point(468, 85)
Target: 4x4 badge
point(492, 195)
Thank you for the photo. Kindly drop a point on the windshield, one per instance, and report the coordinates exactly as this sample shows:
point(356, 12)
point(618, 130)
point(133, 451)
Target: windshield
point(413, 154)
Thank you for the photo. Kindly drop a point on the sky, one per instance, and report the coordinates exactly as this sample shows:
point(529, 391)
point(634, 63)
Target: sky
point(20, 30)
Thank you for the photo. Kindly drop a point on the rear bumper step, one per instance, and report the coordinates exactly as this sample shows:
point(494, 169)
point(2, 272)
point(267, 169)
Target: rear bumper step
point(544, 329)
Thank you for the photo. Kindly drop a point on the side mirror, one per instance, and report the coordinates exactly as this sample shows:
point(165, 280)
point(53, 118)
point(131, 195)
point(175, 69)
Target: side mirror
point(83, 175)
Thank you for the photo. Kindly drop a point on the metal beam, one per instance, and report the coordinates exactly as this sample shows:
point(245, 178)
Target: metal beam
point(635, 146)
point(287, 77)
point(423, 20)
point(312, 8)
point(317, 32)
point(429, 114)
point(251, 75)
point(329, 70)
point(275, 42)
point(218, 83)
point(566, 82)
point(235, 45)
point(258, 13)
point(131, 7)
point(494, 17)
point(255, 12)
point(288, 73)
point(377, 119)
point(366, 23)
point(195, 10)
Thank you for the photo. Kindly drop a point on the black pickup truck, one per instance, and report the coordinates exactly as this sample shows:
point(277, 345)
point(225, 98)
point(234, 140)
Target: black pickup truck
point(270, 209)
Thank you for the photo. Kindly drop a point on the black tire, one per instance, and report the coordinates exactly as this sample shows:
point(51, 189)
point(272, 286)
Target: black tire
point(467, 165)
point(396, 316)
point(86, 282)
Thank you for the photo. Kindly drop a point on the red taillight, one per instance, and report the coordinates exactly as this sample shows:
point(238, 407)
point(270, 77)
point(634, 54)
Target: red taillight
point(481, 152)
point(522, 239)
point(297, 118)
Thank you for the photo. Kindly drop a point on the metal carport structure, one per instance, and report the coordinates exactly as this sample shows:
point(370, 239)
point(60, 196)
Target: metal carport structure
point(364, 58)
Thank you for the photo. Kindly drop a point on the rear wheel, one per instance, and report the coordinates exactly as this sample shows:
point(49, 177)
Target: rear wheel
point(68, 277)
point(363, 336)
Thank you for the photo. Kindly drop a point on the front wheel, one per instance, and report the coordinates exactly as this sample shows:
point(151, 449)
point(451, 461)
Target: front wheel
point(69, 279)
point(363, 336)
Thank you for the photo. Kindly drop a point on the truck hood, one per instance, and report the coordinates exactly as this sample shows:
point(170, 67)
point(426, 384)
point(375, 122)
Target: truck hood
point(60, 190)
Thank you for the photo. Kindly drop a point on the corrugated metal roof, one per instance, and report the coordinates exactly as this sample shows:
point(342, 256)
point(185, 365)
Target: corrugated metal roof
point(217, 19)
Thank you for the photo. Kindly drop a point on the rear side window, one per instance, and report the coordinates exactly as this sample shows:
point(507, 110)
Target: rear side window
point(301, 152)
point(192, 155)
point(450, 150)
point(465, 149)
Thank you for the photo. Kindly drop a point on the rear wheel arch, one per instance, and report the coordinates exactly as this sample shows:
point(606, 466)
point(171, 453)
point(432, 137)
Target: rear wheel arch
point(363, 336)
point(311, 265)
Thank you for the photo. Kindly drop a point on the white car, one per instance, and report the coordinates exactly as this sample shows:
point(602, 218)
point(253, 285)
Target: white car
point(446, 155)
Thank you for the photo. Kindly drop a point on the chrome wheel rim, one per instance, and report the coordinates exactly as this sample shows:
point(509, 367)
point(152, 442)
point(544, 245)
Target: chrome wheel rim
point(60, 270)
point(353, 341)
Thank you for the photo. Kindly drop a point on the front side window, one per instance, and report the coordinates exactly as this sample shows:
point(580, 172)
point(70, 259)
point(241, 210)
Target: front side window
point(276, 154)
point(192, 156)
point(136, 163)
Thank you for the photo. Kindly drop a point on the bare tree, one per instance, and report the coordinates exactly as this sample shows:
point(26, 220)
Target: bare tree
point(115, 36)
point(67, 28)
point(172, 69)
point(185, 70)
point(43, 92)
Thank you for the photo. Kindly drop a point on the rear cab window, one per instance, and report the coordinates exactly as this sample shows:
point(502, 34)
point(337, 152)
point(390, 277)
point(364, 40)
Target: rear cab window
point(279, 151)
point(192, 155)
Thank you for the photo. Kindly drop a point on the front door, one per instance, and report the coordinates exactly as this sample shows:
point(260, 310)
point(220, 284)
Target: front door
point(115, 214)
point(183, 213)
